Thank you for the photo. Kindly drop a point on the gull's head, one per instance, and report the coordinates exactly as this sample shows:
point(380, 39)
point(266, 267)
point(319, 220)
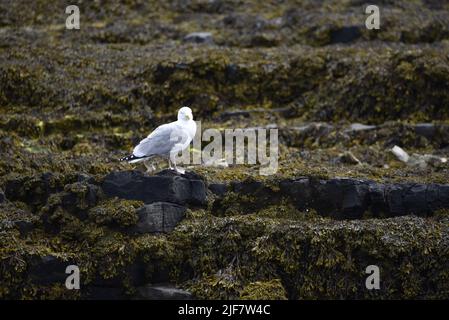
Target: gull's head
point(185, 113)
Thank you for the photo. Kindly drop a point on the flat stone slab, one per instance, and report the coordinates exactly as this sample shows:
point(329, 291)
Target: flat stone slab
point(158, 217)
point(351, 198)
point(135, 185)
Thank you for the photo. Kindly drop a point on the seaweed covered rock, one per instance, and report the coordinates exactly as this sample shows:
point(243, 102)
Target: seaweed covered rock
point(340, 95)
point(33, 190)
point(17, 216)
point(116, 212)
point(316, 258)
point(264, 290)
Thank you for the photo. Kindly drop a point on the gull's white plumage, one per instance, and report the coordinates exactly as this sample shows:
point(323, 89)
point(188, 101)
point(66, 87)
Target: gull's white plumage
point(166, 140)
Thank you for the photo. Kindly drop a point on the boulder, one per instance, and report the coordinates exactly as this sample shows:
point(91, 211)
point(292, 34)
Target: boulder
point(427, 130)
point(351, 198)
point(34, 190)
point(24, 226)
point(158, 217)
point(79, 196)
point(345, 34)
point(174, 188)
point(218, 188)
point(48, 269)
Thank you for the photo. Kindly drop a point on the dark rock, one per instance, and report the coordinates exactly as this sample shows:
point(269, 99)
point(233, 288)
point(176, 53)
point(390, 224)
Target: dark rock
point(2, 196)
point(247, 186)
point(218, 188)
point(354, 199)
point(80, 196)
point(34, 190)
point(232, 73)
point(345, 34)
point(300, 190)
point(84, 177)
point(199, 37)
point(394, 196)
point(351, 198)
point(327, 196)
point(425, 129)
point(134, 185)
point(376, 198)
point(415, 201)
point(47, 270)
point(162, 292)
point(432, 197)
point(158, 217)
point(198, 192)
point(24, 226)
point(443, 195)
point(340, 196)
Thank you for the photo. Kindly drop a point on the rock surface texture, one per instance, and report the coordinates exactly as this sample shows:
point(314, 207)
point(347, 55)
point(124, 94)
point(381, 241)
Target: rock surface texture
point(159, 217)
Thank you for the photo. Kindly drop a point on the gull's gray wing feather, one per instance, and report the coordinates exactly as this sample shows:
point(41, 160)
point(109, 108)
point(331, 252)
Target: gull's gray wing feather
point(160, 142)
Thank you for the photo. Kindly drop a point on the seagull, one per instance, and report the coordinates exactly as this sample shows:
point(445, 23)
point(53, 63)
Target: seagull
point(166, 141)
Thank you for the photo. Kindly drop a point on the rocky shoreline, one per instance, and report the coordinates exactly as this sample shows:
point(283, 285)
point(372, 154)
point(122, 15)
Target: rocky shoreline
point(344, 100)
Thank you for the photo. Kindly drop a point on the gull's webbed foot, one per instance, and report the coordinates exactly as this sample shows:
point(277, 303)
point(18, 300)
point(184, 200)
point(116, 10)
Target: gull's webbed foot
point(150, 167)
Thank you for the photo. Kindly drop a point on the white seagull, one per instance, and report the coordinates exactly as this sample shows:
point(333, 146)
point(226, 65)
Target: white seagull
point(166, 141)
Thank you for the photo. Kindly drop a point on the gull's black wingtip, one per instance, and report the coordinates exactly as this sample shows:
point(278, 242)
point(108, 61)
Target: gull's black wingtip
point(130, 158)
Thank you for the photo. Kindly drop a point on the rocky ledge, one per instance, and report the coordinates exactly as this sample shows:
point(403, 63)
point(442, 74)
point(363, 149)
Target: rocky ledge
point(339, 198)
point(165, 186)
point(156, 237)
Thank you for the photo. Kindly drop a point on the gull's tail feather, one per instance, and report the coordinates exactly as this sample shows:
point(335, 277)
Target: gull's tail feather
point(132, 158)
